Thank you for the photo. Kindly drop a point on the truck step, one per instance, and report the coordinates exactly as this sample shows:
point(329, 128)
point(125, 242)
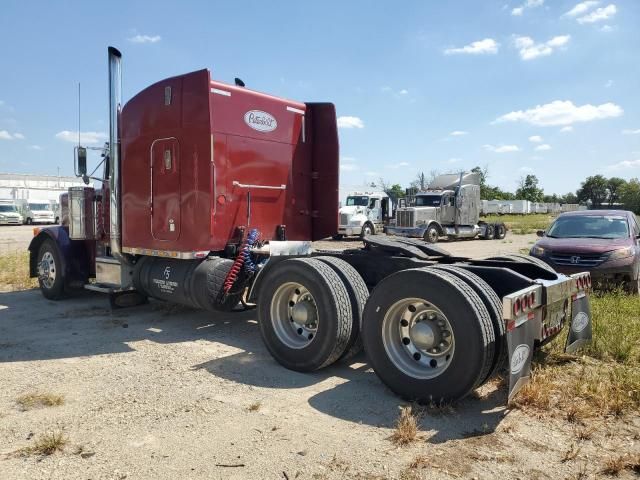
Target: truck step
point(101, 287)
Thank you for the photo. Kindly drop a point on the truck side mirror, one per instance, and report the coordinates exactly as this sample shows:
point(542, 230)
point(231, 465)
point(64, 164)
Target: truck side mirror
point(81, 169)
point(540, 233)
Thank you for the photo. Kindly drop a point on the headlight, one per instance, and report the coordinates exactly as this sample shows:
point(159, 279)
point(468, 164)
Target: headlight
point(537, 251)
point(2, 217)
point(621, 253)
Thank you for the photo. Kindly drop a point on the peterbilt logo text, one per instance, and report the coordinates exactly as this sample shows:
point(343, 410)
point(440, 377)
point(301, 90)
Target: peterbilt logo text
point(260, 121)
point(519, 358)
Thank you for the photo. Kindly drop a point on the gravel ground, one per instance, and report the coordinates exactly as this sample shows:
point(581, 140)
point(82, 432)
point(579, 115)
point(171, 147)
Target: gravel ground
point(166, 392)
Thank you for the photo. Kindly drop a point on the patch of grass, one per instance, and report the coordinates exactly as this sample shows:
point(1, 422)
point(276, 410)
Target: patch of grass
point(406, 430)
point(254, 407)
point(46, 444)
point(522, 224)
point(571, 454)
point(14, 272)
point(37, 400)
point(614, 466)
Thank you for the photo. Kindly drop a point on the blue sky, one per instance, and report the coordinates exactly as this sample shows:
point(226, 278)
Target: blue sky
point(525, 86)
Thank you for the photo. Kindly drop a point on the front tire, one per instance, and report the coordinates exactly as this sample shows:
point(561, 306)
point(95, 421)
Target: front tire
point(367, 229)
point(428, 335)
point(304, 314)
point(432, 234)
point(51, 275)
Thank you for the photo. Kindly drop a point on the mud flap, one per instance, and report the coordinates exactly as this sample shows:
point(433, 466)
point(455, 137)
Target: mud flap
point(520, 341)
point(580, 332)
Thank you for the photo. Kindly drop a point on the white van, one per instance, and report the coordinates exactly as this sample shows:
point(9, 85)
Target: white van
point(9, 214)
point(39, 212)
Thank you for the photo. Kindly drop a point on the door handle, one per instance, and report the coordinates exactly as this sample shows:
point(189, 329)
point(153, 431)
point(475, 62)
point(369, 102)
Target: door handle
point(236, 183)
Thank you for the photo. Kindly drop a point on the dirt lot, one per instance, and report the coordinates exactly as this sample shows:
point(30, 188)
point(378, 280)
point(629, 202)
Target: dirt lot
point(165, 392)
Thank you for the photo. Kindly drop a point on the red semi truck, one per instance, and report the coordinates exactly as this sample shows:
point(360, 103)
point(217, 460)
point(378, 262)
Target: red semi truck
point(210, 196)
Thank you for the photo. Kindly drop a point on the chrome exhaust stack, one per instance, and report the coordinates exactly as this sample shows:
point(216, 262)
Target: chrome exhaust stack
point(115, 106)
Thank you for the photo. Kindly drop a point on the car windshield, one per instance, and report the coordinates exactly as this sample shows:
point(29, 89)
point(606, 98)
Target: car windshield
point(357, 201)
point(38, 206)
point(7, 208)
point(428, 200)
point(590, 226)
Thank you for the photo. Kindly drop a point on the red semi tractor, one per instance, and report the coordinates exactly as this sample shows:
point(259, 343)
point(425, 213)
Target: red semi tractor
point(210, 196)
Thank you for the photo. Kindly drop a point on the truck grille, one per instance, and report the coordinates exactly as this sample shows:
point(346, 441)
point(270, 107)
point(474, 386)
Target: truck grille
point(405, 219)
point(578, 259)
point(344, 219)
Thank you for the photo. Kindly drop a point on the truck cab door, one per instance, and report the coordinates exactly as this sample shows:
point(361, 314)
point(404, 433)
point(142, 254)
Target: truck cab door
point(375, 212)
point(448, 209)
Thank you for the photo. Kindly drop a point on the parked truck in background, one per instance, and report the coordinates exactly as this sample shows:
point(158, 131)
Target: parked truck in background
point(210, 197)
point(450, 207)
point(364, 213)
point(36, 212)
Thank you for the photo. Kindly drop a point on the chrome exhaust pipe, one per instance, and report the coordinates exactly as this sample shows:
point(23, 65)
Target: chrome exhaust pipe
point(115, 105)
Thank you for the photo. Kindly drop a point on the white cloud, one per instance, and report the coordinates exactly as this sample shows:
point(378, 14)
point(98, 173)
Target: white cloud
point(348, 167)
point(518, 11)
point(502, 148)
point(85, 137)
point(18, 136)
point(566, 129)
point(458, 133)
point(454, 160)
point(350, 122)
point(529, 49)
point(542, 148)
point(631, 132)
point(535, 139)
point(145, 39)
point(4, 135)
point(561, 112)
point(606, 28)
point(582, 8)
point(35, 147)
point(624, 165)
point(599, 14)
point(609, 84)
point(480, 47)
point(404, 91)
point(395, 166)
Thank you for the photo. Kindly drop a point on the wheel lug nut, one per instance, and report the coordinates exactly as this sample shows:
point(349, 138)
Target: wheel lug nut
point(404, 323)
point(406, 341)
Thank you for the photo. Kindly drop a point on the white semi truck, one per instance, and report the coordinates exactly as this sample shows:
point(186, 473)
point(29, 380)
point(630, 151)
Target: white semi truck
point(450, 207)
point(364, 213)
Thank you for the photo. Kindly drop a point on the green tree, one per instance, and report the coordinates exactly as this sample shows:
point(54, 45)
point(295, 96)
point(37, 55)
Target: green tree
point(569, 198)
point(630, 195)
point(529, 189)
point(614, 188)
point(594, 189)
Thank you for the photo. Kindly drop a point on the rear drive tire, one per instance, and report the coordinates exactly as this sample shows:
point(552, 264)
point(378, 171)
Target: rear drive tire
point(500, 231)
point(215, 285)
point(51, 276)
point(358, 296)
point(428, 335)
point(304, 314)
point(432, 234)
point(489, 231)
point(493, 304)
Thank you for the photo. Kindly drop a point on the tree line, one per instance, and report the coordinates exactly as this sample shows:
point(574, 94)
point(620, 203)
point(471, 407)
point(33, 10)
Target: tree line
point(597, 191)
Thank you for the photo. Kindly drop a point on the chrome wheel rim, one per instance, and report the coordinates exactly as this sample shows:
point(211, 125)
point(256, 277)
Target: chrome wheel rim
point(433, 235)
point(366, 231)
point(294, 315)
point(47, 270)
point(418, 338)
